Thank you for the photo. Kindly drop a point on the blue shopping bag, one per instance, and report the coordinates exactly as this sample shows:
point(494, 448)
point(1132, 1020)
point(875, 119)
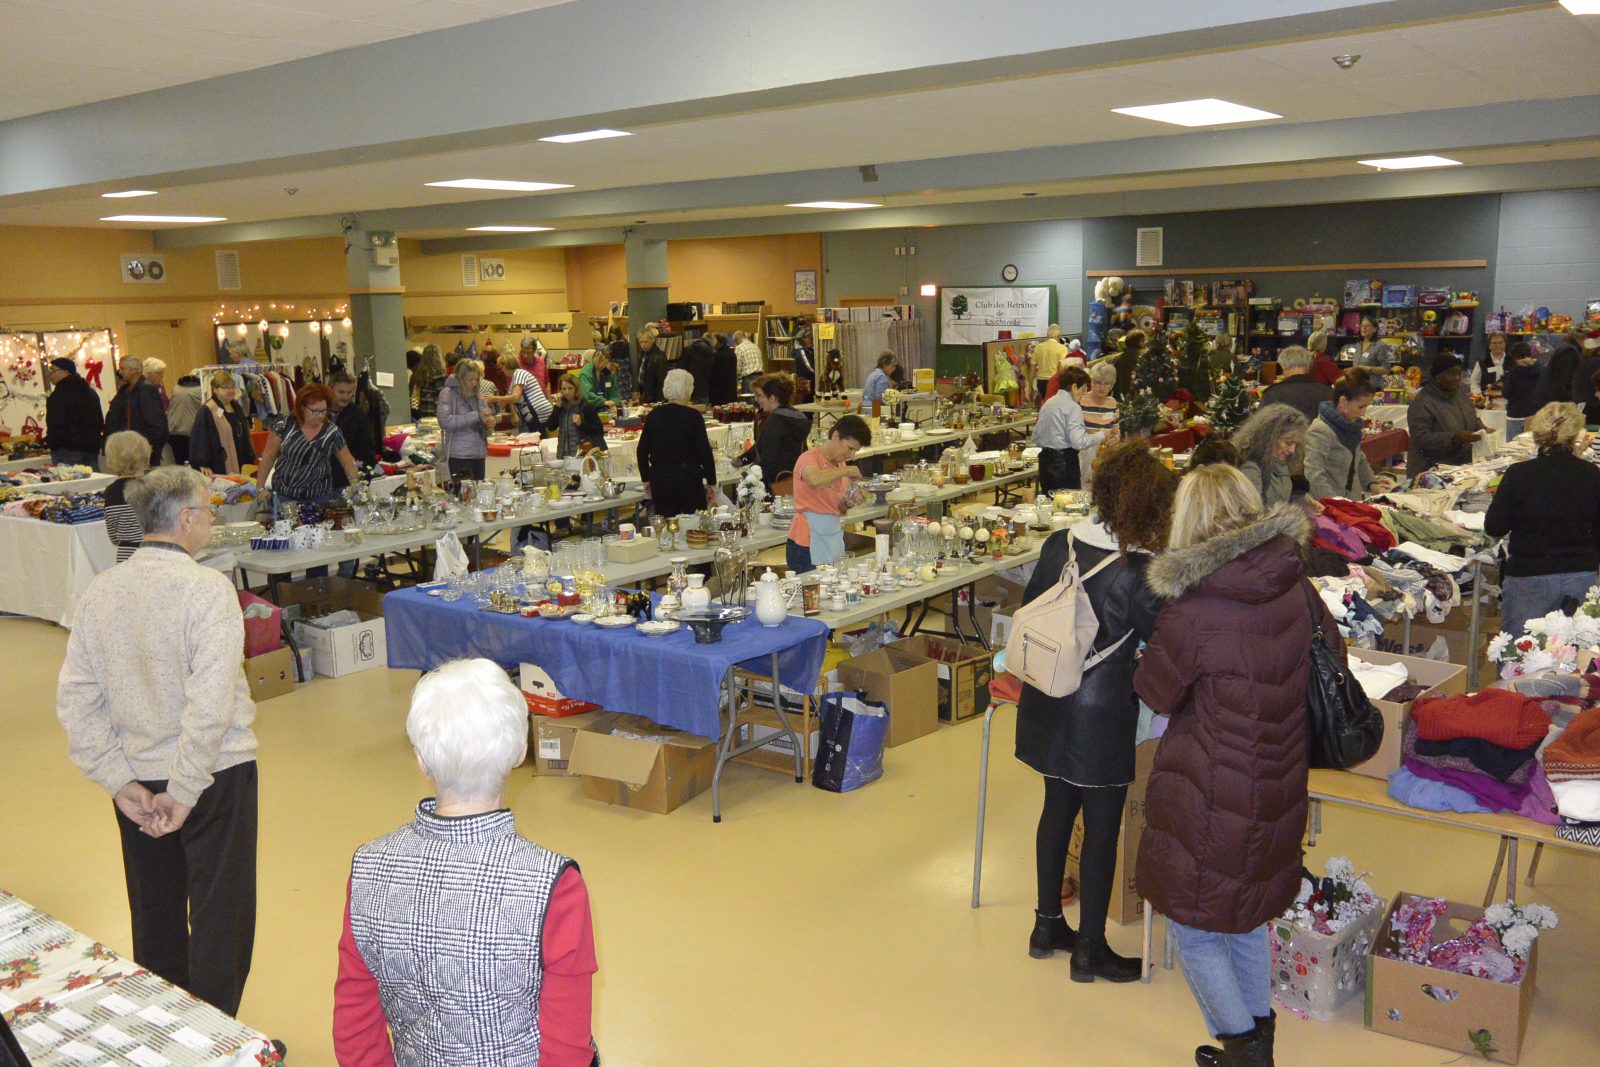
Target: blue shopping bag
point(850, 751)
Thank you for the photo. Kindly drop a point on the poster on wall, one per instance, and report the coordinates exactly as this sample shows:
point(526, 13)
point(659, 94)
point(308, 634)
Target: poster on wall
point(974, 316)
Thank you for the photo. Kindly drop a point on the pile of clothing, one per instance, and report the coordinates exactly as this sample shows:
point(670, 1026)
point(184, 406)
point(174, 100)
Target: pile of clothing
point(1572, 765)
point(1476, 753)
point(45, 474)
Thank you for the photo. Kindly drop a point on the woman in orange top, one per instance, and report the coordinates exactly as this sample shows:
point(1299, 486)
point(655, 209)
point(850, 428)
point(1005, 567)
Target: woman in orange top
point(823, 491)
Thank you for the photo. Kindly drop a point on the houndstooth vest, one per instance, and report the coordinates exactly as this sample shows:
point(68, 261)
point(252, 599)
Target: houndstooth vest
point(449, 916)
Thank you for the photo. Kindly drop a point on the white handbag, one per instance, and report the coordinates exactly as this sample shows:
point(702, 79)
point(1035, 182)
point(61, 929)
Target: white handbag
point(1052, 636)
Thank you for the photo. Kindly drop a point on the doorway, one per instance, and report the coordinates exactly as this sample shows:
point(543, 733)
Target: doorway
point(163, 339)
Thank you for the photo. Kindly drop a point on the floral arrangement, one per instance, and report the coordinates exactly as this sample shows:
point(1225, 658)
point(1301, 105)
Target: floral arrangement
point(736, 412)
point(1551, 642)
point(1332, 902)
point(1495, 946)
point(750, 491)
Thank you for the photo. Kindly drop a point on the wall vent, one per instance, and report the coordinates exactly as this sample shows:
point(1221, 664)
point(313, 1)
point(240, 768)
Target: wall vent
point(228, 270)
point(469, 272)
point(1148, 247)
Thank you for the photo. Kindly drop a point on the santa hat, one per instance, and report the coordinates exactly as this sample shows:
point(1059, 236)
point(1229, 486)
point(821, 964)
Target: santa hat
point(1075, 346)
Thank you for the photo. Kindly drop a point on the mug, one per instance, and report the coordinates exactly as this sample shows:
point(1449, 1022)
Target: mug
point(626, 531)
point(838, 602)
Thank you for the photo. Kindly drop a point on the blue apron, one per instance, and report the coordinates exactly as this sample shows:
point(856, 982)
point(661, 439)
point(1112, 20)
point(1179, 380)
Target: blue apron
point(827, 537)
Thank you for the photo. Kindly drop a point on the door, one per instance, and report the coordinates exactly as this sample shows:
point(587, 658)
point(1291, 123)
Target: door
point(163, 339)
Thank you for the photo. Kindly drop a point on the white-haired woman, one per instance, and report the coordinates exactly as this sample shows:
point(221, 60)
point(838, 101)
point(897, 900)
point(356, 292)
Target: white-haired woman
point(1267, 443)
point(128, 457)
point(1550, 508)
point(675, 459)
point(464, 942)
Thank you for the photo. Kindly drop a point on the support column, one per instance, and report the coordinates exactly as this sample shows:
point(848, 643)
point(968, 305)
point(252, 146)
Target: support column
point(647, 285)
point(378, 320)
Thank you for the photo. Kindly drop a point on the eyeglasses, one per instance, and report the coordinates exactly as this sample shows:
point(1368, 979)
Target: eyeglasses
point(316, 411)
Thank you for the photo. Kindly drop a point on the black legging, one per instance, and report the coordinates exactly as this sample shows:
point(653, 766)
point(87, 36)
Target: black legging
point(1097, 867)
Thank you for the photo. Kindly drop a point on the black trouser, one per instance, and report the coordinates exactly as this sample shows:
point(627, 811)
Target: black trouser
point(192, 893)
point(1097, 861)
point(1058, 469)
point(468, 468)
point(180, 448)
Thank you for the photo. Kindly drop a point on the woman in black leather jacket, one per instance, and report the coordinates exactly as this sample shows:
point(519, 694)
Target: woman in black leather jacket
point(1083, 743)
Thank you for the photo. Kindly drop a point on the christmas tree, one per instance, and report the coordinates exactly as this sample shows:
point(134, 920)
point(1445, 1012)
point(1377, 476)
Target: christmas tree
point(1231, 404)
point(1155, 377)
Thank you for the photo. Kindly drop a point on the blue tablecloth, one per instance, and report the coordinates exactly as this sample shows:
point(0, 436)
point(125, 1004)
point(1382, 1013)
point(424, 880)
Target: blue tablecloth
point(670, 680)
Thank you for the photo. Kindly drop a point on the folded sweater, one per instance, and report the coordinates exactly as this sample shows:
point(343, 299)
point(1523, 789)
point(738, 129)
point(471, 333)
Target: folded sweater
point(1500, 716)
point(1575, 754)
point(1412, 789)
point(1509, 765)
point(1533, 801)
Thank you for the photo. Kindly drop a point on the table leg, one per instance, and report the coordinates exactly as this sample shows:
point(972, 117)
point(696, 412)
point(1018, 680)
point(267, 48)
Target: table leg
point(983, 802)
point(726, 746)
point(1475, 631)
point(1511, 870)
point(1533, 868)
point(1494, 876)
point(1166, 945)
point(1146, 963)
point(1405, 637)
point(783, 717)
point(1313, 822)
point(972, 614)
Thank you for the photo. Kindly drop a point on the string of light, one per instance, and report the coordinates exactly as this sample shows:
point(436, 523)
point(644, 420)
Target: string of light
point(278, 318)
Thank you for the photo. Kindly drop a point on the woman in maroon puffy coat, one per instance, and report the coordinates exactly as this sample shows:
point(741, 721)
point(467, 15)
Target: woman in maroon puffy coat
point(1226, 803)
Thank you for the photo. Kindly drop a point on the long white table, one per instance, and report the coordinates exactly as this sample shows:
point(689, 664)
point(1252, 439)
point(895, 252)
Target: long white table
point(45, 566)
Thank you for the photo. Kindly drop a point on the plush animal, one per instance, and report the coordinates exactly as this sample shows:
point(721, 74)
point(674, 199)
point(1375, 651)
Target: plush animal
point(1109, 290)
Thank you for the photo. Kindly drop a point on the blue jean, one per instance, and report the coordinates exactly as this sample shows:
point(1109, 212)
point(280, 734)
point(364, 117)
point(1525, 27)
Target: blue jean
point(1230, 975)
point(798, 557)
point(1522, 599)
point(74, 456)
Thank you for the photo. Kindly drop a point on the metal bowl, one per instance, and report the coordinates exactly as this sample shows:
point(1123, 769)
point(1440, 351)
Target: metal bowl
point(708, 624)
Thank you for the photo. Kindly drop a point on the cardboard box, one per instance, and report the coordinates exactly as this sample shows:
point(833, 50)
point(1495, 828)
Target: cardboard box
point(550, 742)
point(907, 684)
point(640, 548)
point(340, 650)
point(310, 597)
point(1441, 678)
point(1457, 639)
point(964, 673)
point(657, 769)
point(1126, 904)
point(995, 620)
point(1444, 1009)
point(544, 698)
point(270, 675)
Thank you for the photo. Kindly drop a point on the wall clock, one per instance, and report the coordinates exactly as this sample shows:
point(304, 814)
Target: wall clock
point(1008, 273)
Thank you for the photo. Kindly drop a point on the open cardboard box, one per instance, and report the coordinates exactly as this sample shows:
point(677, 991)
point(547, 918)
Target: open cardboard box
point(907, 684)
point(964, 673)
point(340, 650)
point(550, 742)
point(1443, 679)
point(1442, 1008)
point(656, 769)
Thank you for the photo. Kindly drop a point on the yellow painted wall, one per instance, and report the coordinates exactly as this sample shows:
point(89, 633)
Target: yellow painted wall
point(713, 269)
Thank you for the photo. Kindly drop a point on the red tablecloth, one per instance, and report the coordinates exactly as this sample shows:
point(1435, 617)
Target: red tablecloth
point(1380, 448)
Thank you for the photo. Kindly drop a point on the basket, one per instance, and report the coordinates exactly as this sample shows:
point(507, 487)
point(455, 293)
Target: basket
point(1316, 974)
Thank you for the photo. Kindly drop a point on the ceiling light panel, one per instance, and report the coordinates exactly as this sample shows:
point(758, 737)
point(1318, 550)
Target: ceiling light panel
point(833, 205)
point(1207, 112)
point(508, 229)
point(586, 135)
point(163, 218)
point(1582, 7)
point(128, 194)
point(498, 185)
point(1411, 162)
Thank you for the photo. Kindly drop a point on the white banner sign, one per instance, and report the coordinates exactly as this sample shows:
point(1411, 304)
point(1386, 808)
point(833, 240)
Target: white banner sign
point(973, 316)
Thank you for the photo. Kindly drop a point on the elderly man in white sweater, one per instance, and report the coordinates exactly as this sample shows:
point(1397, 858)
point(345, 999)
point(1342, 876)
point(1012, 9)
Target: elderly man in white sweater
point(157, 712)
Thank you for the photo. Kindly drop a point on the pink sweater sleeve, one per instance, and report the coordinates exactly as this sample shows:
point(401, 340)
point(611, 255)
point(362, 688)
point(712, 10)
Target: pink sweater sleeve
point(566, 997)
point(360, 1030)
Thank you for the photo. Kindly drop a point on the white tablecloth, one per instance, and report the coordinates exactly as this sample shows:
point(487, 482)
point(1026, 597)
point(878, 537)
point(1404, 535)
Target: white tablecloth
point(45, 566)
point(1395, 415)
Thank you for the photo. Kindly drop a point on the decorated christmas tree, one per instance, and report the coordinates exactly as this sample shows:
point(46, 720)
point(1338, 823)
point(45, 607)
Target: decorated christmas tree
point(1231, 404)
point(1155, 377)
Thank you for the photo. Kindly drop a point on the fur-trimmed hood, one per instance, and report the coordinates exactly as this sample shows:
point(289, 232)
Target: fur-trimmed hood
point(1179, 571)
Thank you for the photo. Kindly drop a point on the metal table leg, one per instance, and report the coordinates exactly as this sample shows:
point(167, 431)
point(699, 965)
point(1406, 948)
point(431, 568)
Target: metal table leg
point(1475, 631)
point(1511, 870)
point(1146, 960)
point(972, 613)
point(726, 746)
point(1313, 823)
point(983, 802)
point(1405, 637)
point(783, 718)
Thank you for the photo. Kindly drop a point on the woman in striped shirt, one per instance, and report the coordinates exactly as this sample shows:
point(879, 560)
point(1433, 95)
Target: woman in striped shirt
point(128, 457)
point(301, 451)
point(527, 398)
point(1099, 412)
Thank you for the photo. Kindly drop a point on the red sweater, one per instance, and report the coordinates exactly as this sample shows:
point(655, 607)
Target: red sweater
point(1325, 370)
point(361, 1032)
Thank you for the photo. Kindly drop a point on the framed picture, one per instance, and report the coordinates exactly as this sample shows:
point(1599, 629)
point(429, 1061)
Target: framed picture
point(805, 287)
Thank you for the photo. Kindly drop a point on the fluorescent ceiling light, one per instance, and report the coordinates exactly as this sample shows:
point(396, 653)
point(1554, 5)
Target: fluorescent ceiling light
point(586, 135)
point(498, 185)
point(163, 218)
point(508, 229)
point(1582, 7)
point(1410, 162)
point(833, 205)
point(1207, 112)
point(128, 193)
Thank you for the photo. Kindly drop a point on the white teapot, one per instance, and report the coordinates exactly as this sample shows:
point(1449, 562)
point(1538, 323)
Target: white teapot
point(774, 598)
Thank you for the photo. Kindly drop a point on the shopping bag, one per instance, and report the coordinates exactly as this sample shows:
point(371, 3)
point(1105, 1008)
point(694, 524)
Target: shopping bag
point(263, 624)
point(450, 559)
point(850, 751)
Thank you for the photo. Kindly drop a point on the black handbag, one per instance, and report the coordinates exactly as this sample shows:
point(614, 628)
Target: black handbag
point(1345, 728)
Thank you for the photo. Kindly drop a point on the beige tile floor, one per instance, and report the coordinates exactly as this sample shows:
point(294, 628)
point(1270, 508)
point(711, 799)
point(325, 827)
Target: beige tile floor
point(807, 928)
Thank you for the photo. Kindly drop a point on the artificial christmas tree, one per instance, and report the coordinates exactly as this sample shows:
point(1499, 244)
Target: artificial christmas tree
point(1231, 404)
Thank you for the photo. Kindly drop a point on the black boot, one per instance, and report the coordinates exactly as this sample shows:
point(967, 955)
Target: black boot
point(1048, 935)
point(1267, 1026)
point(1238, 1050)
point(1093, 959)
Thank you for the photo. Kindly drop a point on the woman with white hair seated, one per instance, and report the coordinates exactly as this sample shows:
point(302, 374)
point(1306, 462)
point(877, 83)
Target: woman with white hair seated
point(1550, 508)
point(675, 461)
point(464, 942)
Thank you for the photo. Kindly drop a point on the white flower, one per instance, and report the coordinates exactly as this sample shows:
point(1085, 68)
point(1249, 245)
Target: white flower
point(1304, 894)
point(1537, 660)
point(1498, 915)
point(1519, 940)
point(1497, 647)
point(1339, 868)
point(1539, 915)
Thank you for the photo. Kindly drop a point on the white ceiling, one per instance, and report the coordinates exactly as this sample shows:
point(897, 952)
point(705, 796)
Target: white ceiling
point(1417, 69)
point(80, 51)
